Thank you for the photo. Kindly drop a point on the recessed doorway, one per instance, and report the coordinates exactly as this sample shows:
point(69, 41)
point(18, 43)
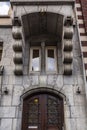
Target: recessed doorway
point(42, 112)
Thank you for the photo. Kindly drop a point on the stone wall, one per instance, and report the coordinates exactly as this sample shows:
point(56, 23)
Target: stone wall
point(11, 105)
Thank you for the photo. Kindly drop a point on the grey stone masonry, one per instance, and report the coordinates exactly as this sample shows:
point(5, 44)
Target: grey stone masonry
point(11, 104)
point(11, 107)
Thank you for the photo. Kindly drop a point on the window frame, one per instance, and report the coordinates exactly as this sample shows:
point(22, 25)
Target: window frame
point(31, 55)
point(41, 57)
point(55, 57)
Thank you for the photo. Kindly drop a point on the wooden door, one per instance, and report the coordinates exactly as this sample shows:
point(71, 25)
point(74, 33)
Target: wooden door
point(42, 112)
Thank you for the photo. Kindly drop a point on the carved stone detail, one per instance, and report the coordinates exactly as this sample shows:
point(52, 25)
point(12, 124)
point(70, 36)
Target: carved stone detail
point(17, 46)
point(68, 32)
point(67, 69)
point(18, 58)
point(16, 32)
point(16, 21)
point(67, 46)
point(18, 69)
point(68, 57)
point(68, 21)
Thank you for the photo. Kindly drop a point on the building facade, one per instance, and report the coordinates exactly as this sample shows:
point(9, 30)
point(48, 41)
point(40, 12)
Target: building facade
point(43, 66)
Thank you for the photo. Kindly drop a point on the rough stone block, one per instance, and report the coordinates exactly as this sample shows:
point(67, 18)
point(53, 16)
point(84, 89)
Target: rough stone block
point(6, 61)
point(78, 112)
point(16, 124)
point(68, 92)
point(6, 124)
point(81, 88)
point(8, 112)
point(43, 81)
point(5, 80)
point(26, 81)
point(8, 70)
point(34, 80)
point(51, 80)
point(18, 80)
point(70, 124)
point(66, 111)
point(81, 123)
point(16, 94)
point(59, 81)
point(25, 70)
point(79, 99)
point(7, 99)
point(68, 80)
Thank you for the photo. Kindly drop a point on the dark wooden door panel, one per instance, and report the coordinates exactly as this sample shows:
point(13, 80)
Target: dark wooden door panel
point(42, 112)
point(53, 128)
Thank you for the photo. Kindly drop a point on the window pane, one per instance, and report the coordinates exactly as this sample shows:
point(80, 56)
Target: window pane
point(4, 8)
point(51, 60)
point(35, 60)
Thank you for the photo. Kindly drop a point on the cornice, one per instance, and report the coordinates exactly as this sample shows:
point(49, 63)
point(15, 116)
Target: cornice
point(34, 3)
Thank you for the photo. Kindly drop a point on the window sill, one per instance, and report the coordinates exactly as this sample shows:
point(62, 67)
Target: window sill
point(35, 73)
point(51, 73)
point(45, 73)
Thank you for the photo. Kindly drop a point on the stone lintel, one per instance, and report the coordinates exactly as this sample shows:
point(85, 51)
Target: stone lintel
point(45, 2)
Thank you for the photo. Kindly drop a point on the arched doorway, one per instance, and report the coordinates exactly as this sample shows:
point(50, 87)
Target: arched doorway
point(42, 111)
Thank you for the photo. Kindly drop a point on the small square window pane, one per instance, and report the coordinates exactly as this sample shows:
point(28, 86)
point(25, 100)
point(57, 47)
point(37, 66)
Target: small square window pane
point(35, 60)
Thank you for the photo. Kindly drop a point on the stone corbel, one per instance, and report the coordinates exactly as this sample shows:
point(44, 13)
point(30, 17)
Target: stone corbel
point(67, 46)
point(16, 21)
point(68, 57)
point(17, 46)
point(18, 69)
point(16, 32)
point(67, 69)
point(68, 32)
point(68, 21)
point(18, 58)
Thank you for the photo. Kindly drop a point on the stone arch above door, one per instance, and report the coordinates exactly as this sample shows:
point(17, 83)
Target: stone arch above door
point(37, 90)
